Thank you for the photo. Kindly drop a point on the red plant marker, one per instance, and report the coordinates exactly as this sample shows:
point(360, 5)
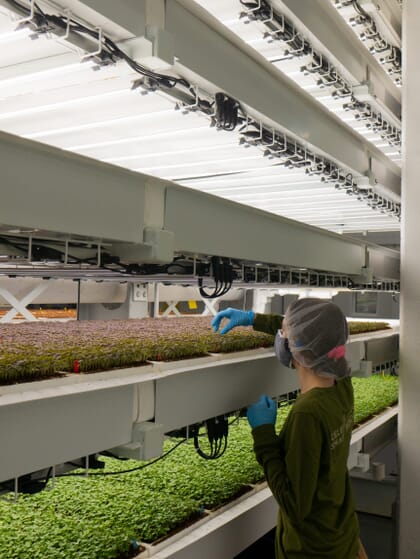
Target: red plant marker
point(76, 366)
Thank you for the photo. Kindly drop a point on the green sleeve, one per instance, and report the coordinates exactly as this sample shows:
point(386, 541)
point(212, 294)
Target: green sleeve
point(268, 323)
point(292, 473)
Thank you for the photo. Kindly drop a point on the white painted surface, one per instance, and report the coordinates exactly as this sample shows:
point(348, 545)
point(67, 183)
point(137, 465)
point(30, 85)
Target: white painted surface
point(409, 440)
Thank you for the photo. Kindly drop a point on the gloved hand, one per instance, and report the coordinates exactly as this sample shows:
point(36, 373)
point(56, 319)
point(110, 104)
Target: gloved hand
point(236, 318)
point(263, 412)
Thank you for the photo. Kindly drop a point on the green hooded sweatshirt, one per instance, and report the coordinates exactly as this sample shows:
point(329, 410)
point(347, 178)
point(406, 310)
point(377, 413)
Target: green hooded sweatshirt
point(306, 469)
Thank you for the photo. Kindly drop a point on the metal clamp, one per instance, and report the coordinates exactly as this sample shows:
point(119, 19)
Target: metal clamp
point(271, 18)
point(273, 139)
point(273, 34)
point(186, 107)
point(251, 10)
point(31, 14)
point(68, 21)
point(99, 48)
point(297, 51)
point(279, 151)
point(313, 67)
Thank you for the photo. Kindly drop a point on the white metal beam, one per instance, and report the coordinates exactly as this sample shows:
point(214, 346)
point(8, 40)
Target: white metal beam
point(129, 15)
point(206, 163)
point(225, 533)
point(206, 224)
point(73, 195)
point(50, 422)
point(40, 432)
point(213, 389)
point(69, 194)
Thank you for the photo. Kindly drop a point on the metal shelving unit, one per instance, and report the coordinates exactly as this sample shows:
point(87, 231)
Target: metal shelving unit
point(152, 173)
point(252, 515)
point(126, 399)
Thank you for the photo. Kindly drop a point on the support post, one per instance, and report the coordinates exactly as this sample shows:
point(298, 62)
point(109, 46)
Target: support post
point(156, 300)
point(78, 300)
point(409, 440)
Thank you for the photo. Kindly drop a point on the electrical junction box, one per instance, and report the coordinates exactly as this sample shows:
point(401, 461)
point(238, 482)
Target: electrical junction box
point(146, 443)
point(139, 292)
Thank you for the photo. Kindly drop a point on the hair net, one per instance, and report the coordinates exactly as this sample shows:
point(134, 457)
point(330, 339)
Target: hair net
point(317, 331)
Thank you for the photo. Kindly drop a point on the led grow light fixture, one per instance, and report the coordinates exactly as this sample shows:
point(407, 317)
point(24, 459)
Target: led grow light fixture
point(294, 46)
point(97, 46)
point(292, 154)
point(388, 55)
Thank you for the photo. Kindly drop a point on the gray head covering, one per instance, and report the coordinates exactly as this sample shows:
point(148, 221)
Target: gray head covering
point(317, 331)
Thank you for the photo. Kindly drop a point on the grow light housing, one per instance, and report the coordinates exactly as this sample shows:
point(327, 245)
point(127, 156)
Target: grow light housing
point(157, 222)
point(377, 30)
point(73, 99)
point(266, 28)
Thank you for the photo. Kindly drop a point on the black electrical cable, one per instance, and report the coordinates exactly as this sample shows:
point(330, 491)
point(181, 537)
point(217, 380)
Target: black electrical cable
point(82, 474)
point(217, 433)
point(223, 278)
point(361, 11)
point(112, 48)
point(226, 273)
point(226, 111)
point(39, 9)
point(130, 269)
point(29, 486)
point(216, 278)
point(204, 293)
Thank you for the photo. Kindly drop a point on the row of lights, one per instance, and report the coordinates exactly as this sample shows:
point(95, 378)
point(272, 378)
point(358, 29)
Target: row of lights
point(292, 154)
point(227, 114)
point(374, 121)
point(279, 28)
point(388, 55)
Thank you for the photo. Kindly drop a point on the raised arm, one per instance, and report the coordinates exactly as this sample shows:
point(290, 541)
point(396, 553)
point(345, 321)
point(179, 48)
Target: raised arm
point(268, 323)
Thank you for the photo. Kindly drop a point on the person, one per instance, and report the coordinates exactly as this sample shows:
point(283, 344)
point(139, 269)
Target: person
point(305, 465)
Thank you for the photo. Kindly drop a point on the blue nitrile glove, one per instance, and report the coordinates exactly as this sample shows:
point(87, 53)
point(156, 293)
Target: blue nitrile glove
point(236, 318)
point(263, 412)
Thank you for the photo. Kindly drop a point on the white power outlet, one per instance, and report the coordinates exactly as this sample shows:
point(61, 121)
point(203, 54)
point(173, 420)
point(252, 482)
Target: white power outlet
point(139, 292)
